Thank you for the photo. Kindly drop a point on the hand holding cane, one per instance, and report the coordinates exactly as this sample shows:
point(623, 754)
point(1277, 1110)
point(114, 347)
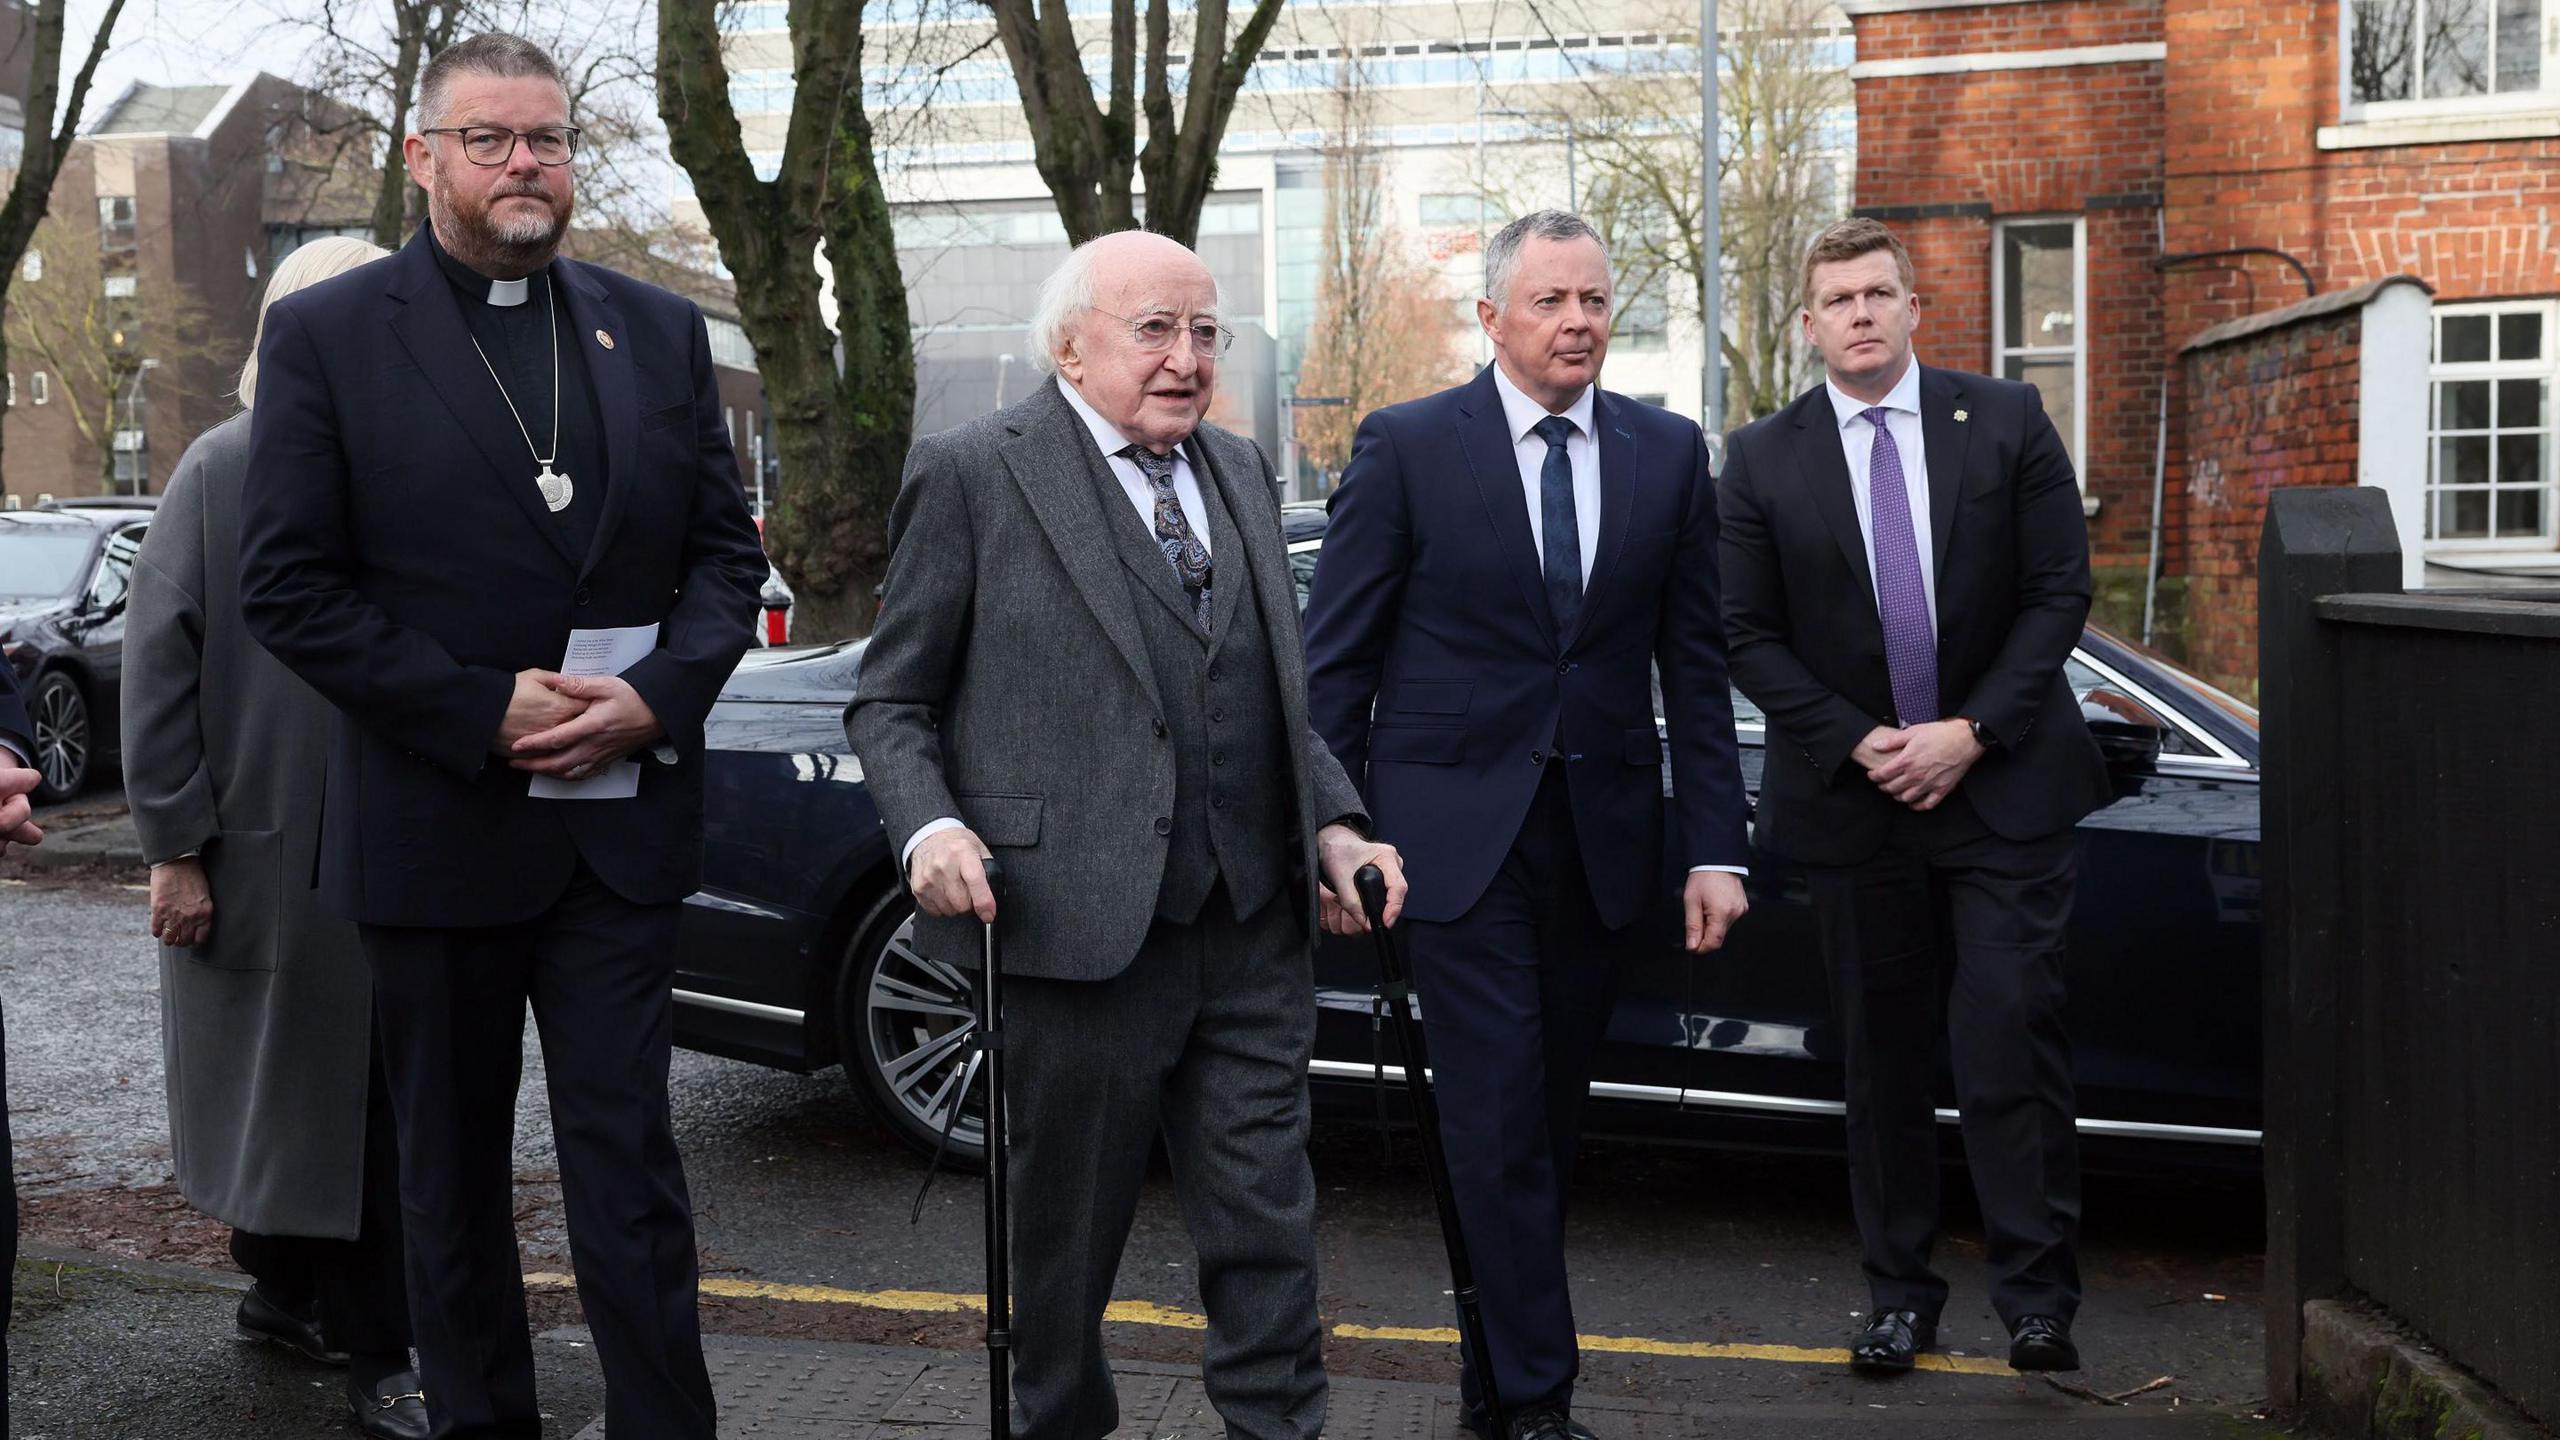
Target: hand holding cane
point(1371, 883)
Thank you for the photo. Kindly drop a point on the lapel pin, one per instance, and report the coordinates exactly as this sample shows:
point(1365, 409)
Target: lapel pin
point(606, 341)
point(1960, 415)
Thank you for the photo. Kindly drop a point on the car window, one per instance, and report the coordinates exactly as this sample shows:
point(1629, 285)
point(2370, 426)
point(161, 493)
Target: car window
point(39, 562)
point(115, 567)
point(2097, 692)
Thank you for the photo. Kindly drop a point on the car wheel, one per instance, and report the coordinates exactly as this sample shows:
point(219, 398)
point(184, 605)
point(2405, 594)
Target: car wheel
point(905, 1025)
point(61, 715)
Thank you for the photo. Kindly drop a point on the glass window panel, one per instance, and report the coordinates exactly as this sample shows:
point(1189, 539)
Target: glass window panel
point(2382, 43)
point(2520, 336)
point(2462, 338)
point(2463, 515)
point(2466, 405)
point(2037, 285)
point(2053, 378)
point(2520, 403)
point(2462, 460)
point(2520, 459)
point(2519, 45)
point(2520, 513)
point(2455, 48)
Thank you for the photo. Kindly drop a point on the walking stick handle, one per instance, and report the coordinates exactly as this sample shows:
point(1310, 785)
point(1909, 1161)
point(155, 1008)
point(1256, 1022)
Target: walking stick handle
point(1371, 884)
point(994, 869)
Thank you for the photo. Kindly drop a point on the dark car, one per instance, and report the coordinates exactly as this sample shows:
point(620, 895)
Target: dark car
point(65, 568)
point(796, 952)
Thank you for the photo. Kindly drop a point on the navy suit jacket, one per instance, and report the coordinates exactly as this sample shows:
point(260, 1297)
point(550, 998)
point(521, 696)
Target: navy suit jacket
point(14, 729)
point(1435, 672)
point(2011, 551)
point(395, 554)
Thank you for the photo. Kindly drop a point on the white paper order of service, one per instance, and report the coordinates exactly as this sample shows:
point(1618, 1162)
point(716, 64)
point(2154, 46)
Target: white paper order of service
point(600, 652)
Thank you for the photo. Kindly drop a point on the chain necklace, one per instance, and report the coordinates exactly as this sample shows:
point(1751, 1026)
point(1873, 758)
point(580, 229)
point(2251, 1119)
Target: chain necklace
point(555, 487)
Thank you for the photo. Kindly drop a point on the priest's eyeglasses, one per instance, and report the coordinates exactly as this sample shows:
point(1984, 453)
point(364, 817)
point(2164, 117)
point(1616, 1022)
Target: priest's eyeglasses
point(1209, 339)
point(491, 146)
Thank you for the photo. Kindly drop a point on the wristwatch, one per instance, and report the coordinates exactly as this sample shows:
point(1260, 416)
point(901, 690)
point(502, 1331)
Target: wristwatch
point(1982, 735)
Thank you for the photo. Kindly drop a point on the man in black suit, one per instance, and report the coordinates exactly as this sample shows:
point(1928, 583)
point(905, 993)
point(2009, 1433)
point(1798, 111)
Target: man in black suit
point(1906, 570)
point(466, 459)
point(1508, 563)
point(18, 779)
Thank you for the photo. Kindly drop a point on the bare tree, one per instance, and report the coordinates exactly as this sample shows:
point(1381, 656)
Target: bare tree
point(51, 120)
point(1087, 150)
point(89, 321)
point(1639, 133)
point(842, 398)
point(1385, 326)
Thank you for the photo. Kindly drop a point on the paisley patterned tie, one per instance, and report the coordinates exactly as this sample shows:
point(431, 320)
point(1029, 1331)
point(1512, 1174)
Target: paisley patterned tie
point(1182, 548)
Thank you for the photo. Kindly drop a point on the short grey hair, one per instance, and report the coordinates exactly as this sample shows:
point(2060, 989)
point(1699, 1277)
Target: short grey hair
point(1502, 255)
point(1065, 298)
point(509, 57)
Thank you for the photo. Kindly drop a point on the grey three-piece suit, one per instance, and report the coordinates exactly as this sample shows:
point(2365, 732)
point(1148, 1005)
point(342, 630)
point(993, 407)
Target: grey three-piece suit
point(1154, 792)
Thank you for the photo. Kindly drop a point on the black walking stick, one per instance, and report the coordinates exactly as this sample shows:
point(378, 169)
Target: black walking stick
point(1398, 988)
point(999, 1233)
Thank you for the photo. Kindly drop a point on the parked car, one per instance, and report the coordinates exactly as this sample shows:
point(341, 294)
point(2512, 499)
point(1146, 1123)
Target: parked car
point(65, 569)
point(796, 953)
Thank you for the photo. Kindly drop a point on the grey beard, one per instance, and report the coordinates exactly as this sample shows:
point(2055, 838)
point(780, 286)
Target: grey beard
point(519, 234)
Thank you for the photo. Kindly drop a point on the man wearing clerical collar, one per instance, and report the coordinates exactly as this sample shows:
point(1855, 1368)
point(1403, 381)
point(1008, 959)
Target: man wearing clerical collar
point(473, 464)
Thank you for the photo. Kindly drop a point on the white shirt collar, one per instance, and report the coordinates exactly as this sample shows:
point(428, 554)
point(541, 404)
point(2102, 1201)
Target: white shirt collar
point(1106, 436)
point(1904, 396)
point(507, 293)
point(1522, 414)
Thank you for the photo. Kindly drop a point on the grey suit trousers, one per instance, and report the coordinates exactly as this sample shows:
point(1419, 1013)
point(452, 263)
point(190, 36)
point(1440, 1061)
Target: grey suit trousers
point(1206, 1037)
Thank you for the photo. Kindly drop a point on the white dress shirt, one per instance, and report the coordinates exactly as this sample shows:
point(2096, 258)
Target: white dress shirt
point(1521, 415)
point(1108, 439)
point(1142, 496)
point(1857, 443)
point(1581, 450)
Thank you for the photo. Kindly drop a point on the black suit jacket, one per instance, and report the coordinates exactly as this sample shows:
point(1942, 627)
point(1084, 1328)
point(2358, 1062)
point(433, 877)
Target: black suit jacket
point(2011, 551)
point(1435, 672)
point(15, 731)
point(395, 554)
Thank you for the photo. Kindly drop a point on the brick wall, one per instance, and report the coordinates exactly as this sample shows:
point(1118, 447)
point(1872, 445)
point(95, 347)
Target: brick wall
point(2274, 408)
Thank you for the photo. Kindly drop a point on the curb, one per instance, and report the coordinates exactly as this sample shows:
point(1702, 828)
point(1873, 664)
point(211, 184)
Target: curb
point(108, 844)
point(2364, 1376)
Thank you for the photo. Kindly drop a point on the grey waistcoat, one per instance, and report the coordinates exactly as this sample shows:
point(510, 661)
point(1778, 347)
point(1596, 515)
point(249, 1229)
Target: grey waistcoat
point(1231, 802)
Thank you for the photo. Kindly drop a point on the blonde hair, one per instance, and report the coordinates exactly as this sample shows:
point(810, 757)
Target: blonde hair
point(317, 261)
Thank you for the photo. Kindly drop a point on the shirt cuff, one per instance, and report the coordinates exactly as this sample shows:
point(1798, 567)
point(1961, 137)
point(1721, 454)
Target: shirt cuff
point(1720, 869)
point(928, 830)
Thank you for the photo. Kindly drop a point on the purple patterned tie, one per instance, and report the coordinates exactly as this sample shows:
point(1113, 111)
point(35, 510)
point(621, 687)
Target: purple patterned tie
point(1902, 599)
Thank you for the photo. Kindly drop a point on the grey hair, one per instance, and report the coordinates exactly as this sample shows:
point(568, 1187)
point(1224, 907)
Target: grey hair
point(509, 57)
point(312, 263)
point(1065, 298)
point(1502, 254)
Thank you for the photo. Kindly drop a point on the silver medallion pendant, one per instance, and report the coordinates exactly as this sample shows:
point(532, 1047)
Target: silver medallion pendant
point(556, 489)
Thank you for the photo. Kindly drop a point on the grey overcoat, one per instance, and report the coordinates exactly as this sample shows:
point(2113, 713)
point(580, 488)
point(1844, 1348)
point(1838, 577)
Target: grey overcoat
point(267, 1025)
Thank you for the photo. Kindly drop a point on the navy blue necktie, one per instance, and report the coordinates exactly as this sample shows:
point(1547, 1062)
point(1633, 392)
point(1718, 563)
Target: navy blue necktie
point(1560, 532)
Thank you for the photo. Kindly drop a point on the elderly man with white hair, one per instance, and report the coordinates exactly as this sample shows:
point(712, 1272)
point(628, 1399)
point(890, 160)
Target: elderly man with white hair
point(1088, 663)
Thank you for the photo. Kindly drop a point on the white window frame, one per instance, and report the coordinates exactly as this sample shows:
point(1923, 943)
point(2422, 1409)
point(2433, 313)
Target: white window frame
point(2002, 353)
point(40, 389)
point(2546, 369)
point(2543, 100)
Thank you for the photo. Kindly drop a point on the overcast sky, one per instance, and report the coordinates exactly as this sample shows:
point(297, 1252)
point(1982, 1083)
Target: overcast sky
point(182, 42)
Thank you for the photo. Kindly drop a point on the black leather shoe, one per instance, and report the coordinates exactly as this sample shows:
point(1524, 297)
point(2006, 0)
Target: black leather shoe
point(1891, 1342)
point(395, 1409)
point(1543, 1425)
point(261, 1320)
point(2042, 1343)
point(1475, 1421)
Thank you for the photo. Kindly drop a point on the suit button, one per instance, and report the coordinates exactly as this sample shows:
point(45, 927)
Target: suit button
point(1218, 716)
point(1216, 674)
point(1217, 802)
point(1159, 729)
point(1537, 757)
point(585, 595)
point(1564, 667)
point(1218, 757)
point(1164, 826)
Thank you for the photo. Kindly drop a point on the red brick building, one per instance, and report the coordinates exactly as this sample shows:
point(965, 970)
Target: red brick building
point(2095, 191)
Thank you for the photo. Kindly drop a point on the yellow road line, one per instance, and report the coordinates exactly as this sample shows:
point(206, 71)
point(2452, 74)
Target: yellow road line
point(1144, 1312)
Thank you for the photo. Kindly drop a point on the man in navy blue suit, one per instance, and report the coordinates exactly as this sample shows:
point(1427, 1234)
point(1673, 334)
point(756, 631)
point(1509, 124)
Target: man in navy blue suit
point(471, 463)
point(1506, 565)
point(17, 781)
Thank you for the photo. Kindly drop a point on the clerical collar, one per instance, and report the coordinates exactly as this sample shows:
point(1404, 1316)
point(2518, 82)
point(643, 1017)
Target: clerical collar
point(504, 294)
